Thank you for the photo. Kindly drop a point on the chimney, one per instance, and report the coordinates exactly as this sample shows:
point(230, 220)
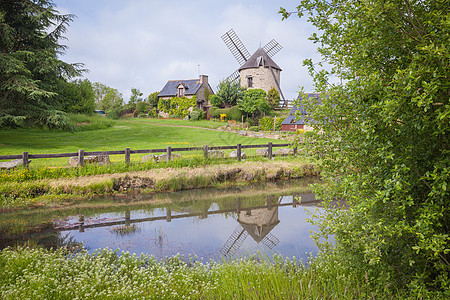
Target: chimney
point(204, 79)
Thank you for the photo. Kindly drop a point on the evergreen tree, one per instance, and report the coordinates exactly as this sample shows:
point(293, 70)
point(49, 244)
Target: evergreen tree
point(30, 70)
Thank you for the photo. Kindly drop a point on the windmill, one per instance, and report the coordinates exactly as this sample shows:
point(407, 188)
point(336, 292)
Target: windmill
point(257, 223)
point(257, 70)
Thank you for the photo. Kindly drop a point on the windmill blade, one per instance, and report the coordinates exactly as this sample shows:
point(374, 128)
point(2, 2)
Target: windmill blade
point(234, 241)
point(270, 241)
point(272, 48)
point(233, 77)
point(236, 47)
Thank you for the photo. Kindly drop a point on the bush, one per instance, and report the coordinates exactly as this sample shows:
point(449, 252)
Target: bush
point(254, 128)
point(233, 113)
point(142, 107)
point(197, 114)
point(152, 113)
point(266, 123)
point(114, 113)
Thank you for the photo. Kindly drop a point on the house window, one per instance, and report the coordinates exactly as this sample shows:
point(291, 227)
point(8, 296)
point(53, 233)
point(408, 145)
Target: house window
point(250, 81)
point(180, 92)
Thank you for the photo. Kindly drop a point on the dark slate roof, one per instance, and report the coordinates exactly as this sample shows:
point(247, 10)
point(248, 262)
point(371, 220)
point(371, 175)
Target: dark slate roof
point(302, 116)
point(170, 89)
point(259, 58)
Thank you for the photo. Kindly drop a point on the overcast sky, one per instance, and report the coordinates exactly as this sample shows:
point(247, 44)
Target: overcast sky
point(144, 43)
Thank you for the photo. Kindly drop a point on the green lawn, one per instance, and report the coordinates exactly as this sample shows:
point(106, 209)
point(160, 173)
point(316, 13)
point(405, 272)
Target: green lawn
point(136, 134)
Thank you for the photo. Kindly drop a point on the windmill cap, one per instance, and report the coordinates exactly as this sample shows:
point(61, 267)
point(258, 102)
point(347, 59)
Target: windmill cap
point(259, 58)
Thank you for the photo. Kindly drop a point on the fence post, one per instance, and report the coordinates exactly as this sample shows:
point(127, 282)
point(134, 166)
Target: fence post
point(169, 153)
point(80, 157)
point(205, 150)
point(269, 150)
point(168, 215)
point(238, 152)
point(295, 151)
point(25, 159)
point(127, 155)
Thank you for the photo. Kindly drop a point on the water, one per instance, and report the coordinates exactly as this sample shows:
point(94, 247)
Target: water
point(209, 224)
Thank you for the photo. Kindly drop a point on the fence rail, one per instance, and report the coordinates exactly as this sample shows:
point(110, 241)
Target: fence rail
point(25, 156)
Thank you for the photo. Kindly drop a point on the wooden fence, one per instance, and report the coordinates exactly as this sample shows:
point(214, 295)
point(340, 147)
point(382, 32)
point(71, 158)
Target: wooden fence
point(25, 156)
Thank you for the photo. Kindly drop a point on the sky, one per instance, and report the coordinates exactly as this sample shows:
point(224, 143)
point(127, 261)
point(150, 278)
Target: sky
point(144, 43)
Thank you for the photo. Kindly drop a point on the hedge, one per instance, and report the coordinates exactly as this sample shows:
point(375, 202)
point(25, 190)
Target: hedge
point(266, 123)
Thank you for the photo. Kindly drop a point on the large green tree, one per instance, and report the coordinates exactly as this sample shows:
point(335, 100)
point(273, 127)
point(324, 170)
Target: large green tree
point(382, 138)
point(229, 93)
point(254, 103)
point(30, 69)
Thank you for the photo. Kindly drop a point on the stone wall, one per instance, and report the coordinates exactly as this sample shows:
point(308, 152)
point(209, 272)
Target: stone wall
point(262, 78)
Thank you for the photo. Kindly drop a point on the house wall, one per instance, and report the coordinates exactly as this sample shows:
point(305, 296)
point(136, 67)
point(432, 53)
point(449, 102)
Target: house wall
point(262, 78)
point(291, 127)
point(294, 127)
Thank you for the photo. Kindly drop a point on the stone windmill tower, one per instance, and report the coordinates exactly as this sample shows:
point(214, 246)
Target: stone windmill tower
point(258, 71)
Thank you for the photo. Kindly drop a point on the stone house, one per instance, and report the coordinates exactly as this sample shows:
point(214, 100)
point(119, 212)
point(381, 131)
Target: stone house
point(189, 88)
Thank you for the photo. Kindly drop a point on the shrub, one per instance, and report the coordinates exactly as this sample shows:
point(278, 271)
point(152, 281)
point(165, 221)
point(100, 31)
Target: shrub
point(197, 114)
point(142, 107)
point(114, 113)
point(233, 113)
point(254, 128)
point(266, 123)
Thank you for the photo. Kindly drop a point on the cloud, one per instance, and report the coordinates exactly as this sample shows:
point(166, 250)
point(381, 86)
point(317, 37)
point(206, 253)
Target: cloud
point(143, 44)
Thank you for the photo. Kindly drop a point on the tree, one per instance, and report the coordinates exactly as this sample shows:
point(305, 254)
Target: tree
point(76, 96)
point(273, 97)
point(30, 70)
point(107, 98)
point(383, 139)
point(229, 93)
point(136, 96)
point(254, 102)
point(153, 99)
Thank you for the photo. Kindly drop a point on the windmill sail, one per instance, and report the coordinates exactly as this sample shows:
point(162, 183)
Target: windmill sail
point(236, 47)
point(272, 48)
point(270, 241)
point(234, 242)
point(233, 77)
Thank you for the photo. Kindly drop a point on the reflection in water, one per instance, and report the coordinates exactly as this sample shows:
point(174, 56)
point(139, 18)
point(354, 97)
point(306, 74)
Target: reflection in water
point(207, 228)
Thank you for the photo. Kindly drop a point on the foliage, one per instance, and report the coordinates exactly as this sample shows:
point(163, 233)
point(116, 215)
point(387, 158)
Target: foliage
point(253, 128)
point(29, 66)
point(215, 100)
point(384, 138)
point(142, 107)
point(76, 96)
point(273, 97)
point(197, 114)
point(229, 93)
point(153, 99)
point(62, 274)
point(254, 102)
point(266, 123)
point(136, 96)
point(233, 113)
point(177, 106)
point(107, 98)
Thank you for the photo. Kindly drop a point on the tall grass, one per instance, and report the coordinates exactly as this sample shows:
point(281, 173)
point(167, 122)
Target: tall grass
point(107, 274)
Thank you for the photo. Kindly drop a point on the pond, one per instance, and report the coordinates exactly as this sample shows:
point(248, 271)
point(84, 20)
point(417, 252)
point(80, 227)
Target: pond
point(209, 224)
